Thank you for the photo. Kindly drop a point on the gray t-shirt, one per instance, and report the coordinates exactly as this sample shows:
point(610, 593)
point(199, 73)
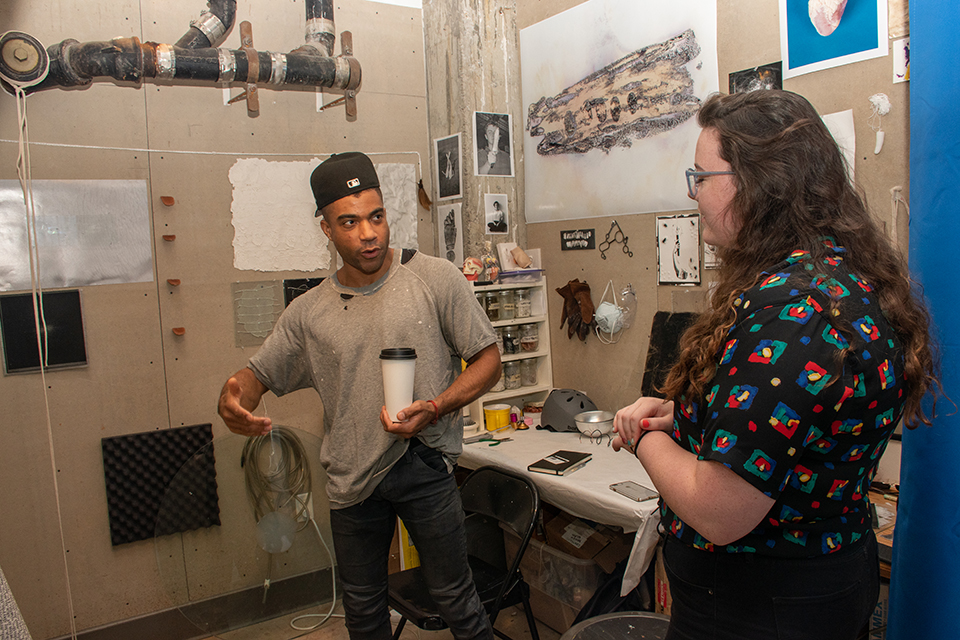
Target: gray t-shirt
point(330, 339)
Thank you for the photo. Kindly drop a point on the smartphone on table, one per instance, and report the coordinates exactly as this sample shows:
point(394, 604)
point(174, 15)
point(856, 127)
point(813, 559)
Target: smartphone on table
point(634, 491)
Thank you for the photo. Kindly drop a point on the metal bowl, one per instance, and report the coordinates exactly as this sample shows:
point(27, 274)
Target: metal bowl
point(594, 423)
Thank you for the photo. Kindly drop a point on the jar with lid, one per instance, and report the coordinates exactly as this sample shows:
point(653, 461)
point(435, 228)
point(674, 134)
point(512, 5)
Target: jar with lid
point(492, 306)
point(511, 375)
point(500, 384)
point(529, 338)
point(524, 305)
point(507, 305)
point(511, 340)
point(482, 299)
point(499, 333)
point(528, 372)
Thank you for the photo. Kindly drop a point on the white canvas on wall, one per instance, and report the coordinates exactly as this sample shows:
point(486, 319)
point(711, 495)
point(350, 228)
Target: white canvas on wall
point(610, 89)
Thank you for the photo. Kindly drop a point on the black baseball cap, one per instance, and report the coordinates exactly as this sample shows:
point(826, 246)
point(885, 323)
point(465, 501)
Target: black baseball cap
point(341, 175)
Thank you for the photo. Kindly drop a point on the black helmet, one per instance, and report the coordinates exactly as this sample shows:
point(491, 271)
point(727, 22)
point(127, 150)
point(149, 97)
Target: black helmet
point(560, 408)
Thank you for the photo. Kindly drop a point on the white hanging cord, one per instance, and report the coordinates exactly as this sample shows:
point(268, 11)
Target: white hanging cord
point(287, 474)
point(36, 291)
point(897, 199)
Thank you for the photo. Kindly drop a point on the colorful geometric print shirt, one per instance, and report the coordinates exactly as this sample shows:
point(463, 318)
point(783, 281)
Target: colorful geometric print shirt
point(784, 415)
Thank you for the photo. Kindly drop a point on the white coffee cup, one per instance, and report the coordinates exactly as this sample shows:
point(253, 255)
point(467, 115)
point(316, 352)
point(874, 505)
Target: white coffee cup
point(398, 365)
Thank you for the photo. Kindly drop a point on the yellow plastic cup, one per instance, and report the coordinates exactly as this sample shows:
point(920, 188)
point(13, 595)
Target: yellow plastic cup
point(496, 416)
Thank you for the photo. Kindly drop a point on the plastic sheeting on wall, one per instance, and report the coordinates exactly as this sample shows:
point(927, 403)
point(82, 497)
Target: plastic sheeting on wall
point(925, 585)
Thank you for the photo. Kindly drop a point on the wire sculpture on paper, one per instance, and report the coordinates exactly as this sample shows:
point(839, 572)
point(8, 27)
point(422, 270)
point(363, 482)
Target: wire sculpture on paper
point(645, 93)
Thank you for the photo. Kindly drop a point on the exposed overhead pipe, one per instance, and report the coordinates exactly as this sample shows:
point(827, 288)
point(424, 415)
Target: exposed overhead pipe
point(195, 57)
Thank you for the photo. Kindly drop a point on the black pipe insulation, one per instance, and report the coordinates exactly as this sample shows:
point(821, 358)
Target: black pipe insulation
point(195, 56)
point(212, 27)
point(127, 59)
point(320, 26)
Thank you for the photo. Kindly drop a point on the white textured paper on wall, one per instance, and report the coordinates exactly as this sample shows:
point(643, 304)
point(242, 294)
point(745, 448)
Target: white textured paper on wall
point(273, 214)
point(273, 217)
point(398, 182)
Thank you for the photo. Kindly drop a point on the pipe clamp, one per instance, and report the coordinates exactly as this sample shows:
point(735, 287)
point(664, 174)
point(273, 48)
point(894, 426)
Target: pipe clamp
point(278, 68)
point(166, 62)
point(228, 65)
point(210, 25)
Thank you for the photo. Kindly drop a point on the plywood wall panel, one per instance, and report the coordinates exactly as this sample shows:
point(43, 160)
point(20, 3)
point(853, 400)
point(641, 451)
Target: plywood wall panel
point(142, 377)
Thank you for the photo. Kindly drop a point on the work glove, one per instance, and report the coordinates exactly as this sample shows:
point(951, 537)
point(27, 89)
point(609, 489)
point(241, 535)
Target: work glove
point(578, 309)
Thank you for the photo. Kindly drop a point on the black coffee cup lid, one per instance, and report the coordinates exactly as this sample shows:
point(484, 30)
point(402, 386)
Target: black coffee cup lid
point(398, 353)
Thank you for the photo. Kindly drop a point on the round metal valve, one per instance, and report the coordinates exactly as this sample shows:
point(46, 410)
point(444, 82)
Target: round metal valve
point(23, 60)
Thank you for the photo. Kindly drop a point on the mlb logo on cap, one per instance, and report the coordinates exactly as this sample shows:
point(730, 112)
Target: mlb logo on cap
point(329, 180)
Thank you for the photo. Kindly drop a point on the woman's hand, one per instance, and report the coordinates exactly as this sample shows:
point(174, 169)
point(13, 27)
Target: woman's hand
point(646, 414)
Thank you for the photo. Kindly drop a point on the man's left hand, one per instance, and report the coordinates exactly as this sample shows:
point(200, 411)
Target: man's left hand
point(411, 419)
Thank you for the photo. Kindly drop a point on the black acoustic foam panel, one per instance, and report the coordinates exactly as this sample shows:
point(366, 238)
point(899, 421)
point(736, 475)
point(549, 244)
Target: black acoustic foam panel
point(160, 482)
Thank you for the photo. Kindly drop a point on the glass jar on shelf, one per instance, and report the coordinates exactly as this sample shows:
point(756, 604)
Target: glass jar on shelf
point(529, 338)
point(482, 299)
point(511, 340)
point(511, 375)
point(492, 306)
point(499, 333)
point(507, 305)
point(528, 372)
point(500, 385)
point(524, 304)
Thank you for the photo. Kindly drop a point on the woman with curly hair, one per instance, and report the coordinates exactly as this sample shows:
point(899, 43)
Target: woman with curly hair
point(787, 389)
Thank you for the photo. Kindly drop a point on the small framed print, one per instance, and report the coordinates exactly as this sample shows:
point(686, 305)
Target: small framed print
point(678, 249)
point(450, 230)
point(448, 167)
point(496, 217)
point(493, 149)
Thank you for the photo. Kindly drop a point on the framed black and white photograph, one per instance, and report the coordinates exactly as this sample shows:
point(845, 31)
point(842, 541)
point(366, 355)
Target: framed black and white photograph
point(493, 149)
point(678, 249)
point(496, 218)
point(448, 153)
point(450, 231)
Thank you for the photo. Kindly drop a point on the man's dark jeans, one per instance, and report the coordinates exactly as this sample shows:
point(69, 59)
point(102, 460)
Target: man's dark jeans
point(420, 490)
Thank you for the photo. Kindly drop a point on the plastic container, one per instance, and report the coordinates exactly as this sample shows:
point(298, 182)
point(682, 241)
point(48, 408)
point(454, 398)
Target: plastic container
point(525, 275)
point(496, 416)
point(559, 583)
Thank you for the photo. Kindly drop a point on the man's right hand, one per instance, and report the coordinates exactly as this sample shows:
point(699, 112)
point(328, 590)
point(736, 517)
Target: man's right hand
point(243, 390)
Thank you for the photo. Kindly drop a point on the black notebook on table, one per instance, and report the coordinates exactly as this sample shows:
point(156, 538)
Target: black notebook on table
point(561, 463)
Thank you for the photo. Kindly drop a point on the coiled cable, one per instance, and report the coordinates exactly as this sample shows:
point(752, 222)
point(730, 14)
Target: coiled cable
point(277, 477)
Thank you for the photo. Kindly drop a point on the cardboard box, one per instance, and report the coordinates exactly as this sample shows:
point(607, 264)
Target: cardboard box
point(878, 619)
point(588, 541)
point(662, 600)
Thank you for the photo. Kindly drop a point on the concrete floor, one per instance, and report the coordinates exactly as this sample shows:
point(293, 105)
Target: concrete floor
point(511, 621)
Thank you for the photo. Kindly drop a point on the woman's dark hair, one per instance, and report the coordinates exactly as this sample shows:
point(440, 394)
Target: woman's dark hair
point(792, 191)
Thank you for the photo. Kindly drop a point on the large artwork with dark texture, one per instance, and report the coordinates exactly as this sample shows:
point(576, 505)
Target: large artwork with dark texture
point(611, 89)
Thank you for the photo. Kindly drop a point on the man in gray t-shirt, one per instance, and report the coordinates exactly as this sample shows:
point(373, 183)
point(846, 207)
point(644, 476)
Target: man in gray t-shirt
point(329, 339)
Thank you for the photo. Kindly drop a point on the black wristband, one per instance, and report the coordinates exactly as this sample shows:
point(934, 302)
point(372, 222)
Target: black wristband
point(636, 445)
